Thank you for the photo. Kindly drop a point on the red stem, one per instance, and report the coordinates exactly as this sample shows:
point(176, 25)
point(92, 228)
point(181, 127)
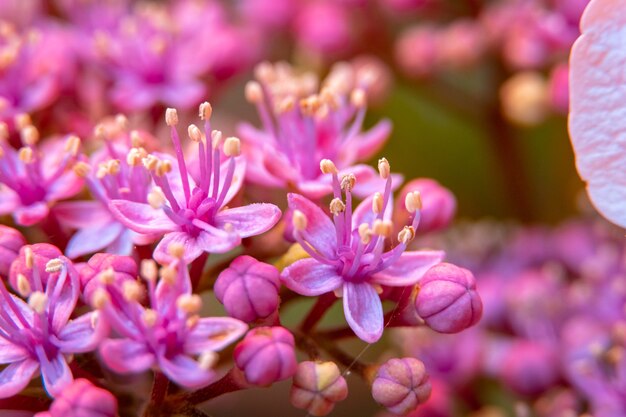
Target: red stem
point(323, 303)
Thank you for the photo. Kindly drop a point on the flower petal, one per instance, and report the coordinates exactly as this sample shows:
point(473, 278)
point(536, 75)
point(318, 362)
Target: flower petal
point(363, 310)
point(214, 333)
point(215, 241)
point(310, 277)
point(408, 269)
point(93, 239)
point(185, 371)
point(141, 217)
point(368, 143)
point(320, 230)
point(10, 352)
point(30, 215)
point(82, 334)
point(81, 214)
point(9, 200)
point(56, 374)
point(597, 121)
point(16, 376)
point(126, 356)
point(249, 220)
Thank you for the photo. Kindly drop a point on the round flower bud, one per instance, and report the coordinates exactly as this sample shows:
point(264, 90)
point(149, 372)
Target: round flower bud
point(401, 385)
point(317, 386)
point(448, 301)
point(82, 398)
point(266, 355)
point(105, 268)
point(248, 289)
point(438, 205)
point(529, 367)
point(10, 243)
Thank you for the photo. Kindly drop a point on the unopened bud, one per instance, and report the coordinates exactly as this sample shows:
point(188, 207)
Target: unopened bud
point(232, 146)
point(377, 203)
point(383, 168)
point(189, 303)
point(299, 220)
point(406, 235)
point(205, 111)
point(171, 117)
point(194, 133)
point(54, 265)
point(413, 201)
point(337, 206)
point(328, 167)
point(38, 301)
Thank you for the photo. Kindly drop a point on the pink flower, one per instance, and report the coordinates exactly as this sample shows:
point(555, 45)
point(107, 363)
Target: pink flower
point(37, 175)
point(301, 126)
point(168, 333)
point(349, 256)
point(10, 243)
point(82, 399)
point(597, 107)
point(39, 335)
point(194, 213)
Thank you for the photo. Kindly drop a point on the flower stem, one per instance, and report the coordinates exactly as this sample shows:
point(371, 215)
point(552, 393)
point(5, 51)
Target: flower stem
point(159, 388)
point(197, 267)
point(231, 382)
point(323, 303)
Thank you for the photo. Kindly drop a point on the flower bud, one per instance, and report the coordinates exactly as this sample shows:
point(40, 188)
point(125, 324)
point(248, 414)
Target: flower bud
point(401, 385)
point(529, 367)
point(317, 386)
point(248, 289)
point(438, 205)
point(448, 301)
point(10, 243)
point(266, 355)
point(123, 269)
point(82, 398)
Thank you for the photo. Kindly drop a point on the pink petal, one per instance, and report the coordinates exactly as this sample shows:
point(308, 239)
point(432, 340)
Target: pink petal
point(409, 268)
point(123, 245)
point(597, 123)
point(183, 94)
point(93, 239)
point(310, 277)
point(56, 375)
point(10, 353)
point(249, 220)
point(363, 311)
point(237, 182)
point(16, 376)
point(185, 371)
point(368, 143)
point(363, 212)
point(67, 185)
point(81, 214)
point(126, 356)
point(30, 215)
point(320, 230)
point(215, 241)
point(141, 217)
point(8, 200)
point(213, 334)
point(82, 334)
point(315, 189)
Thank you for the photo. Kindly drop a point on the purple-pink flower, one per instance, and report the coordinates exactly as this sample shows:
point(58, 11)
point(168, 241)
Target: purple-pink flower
point(348, 253)
point(302, 124)
point(194, 212)
point(168, 332)
point(82, 399)
point(35, 176)
point(38, 335)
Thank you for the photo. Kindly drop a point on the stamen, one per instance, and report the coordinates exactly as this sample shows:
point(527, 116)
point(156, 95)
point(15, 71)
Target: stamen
point(136, 141)
point(194, 133)
point(176, 250)
point(192, 321)
point(72, 145)
point(365, 233)
point(216, 138)
point(4, 131)
point(148, 270)
point(168, 274)
point(132, 291)
point(107, 277)
point(100, 132)
point(54, 265)
point(29, 135)
point(300, 221)
point(29, 257)
point(348, 182)
point(122, 122)
point(162, 168)
point(156, 198)
point(383, 168)
point(189, 303)
point(413, 201)
point(149, 317)
point(38, 302)
point(358, 98)
point(377, 203)
point(337, 206)
point(150, 162)
point(205, 111)
point(208, 360)
point(406, 235)
point(81, 169)
point(171, 117)
point(25, 155)
point(232, 147)
point(382, 227)
point(22, 120)
point(100, 298)
point(23, 286)
point(254, 92)
point(135, 156)
point(328, 167)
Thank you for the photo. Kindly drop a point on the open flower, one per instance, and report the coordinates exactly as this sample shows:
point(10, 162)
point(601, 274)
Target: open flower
point(194, 213)
point(301, 126)
point(168, 333)
point(119, 174)
point(349, 256)
point(35, 176)
point(38, 336)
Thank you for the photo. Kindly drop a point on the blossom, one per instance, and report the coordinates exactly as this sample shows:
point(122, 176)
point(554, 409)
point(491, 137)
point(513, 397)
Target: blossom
point(596, 122)
point(300, 127)
point(167, 333)
point(349, 256)
point(113, 172)
point(401, 385)
point(35, 176)
point(194, 213)
point(38, 335)
point(317, 386)
point(82, 399)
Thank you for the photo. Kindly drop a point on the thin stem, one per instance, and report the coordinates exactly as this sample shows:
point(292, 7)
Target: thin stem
point(159, 388)
point(197, 266)
point(318, 310)
point(231, 382)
